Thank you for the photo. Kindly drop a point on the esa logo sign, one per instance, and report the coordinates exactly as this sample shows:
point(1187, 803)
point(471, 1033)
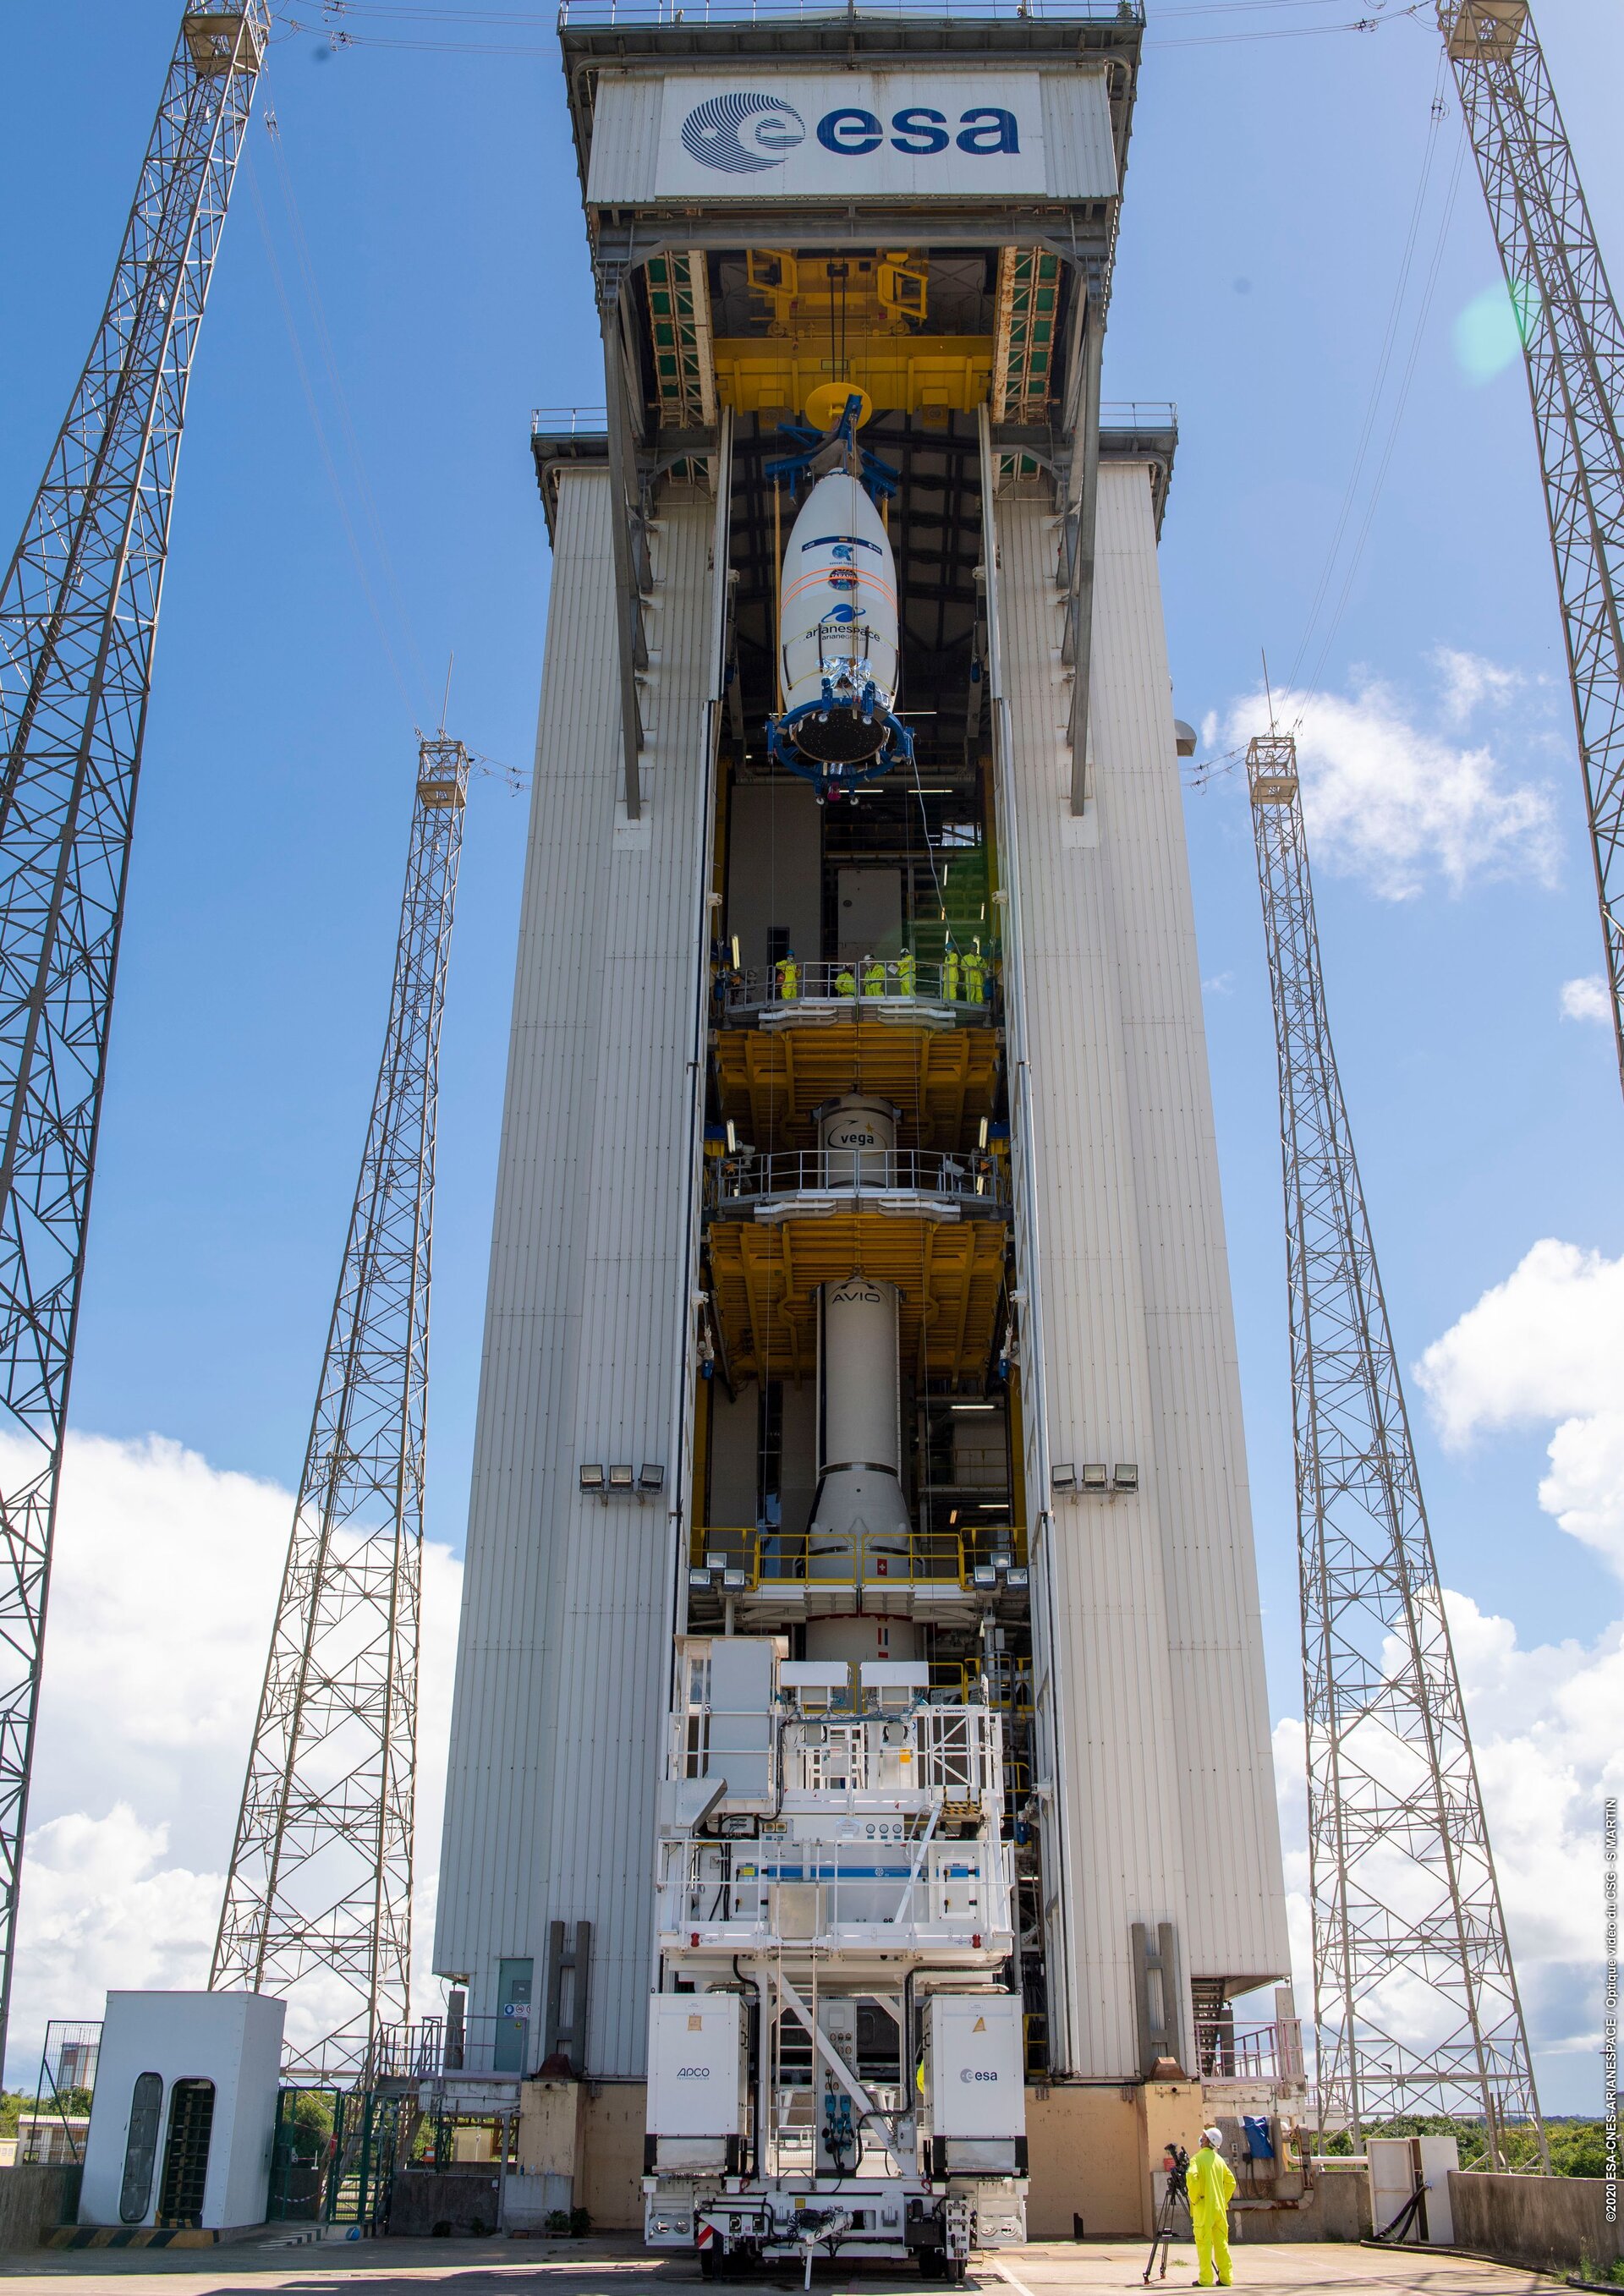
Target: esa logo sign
point(918, 130)
point(742, 134)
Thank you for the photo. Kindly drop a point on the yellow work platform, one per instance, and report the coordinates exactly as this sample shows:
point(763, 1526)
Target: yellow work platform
point(765, 1276)
point(769, 1080)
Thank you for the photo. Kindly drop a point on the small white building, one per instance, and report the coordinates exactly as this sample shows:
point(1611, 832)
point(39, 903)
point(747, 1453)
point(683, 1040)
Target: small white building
point(185, 2113)
point(50, 2138)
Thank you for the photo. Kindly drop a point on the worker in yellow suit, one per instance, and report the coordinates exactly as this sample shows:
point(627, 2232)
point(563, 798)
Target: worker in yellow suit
point(1211, 2184)
point(874, 978)
point(907, 973)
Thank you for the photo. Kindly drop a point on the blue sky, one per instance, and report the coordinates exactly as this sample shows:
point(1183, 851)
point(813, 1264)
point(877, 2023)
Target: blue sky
point(1270, 189)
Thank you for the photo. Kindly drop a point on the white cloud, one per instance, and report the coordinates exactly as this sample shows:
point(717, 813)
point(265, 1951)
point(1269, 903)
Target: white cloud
point(1466, 679)
point(1586, 999)
point(164, 1581)
point(1548, 1345)
point(1221, 984)
point(1397, 805)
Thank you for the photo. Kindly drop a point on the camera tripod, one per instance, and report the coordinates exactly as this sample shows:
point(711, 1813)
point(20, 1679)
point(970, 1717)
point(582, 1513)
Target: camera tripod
point(1175, 2161)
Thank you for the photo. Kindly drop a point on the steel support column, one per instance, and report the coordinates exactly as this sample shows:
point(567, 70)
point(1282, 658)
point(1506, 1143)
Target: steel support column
point(1084, 488)
point(623, 490)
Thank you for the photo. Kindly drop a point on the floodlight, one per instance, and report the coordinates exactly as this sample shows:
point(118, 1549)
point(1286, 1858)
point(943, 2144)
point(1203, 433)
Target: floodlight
point(591, 1479)
point(984, 1575)
point(734, 1579)
point(1095, 1476)
point(620, 1478)
point(1063, 1478)
point(652, 1477)
point(699, 1579)
point(1020, 1576)
point(1124, 1476)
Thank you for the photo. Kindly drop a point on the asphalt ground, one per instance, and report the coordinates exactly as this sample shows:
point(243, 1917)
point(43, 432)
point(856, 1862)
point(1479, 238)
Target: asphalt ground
point(608, 2267)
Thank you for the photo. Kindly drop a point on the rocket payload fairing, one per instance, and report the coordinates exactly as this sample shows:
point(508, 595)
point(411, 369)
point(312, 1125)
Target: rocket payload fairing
point(838, 645)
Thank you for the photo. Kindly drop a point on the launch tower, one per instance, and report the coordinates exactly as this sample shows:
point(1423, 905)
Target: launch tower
point(859, 1807)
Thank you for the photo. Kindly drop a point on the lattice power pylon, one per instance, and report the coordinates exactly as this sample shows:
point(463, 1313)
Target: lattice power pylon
point(318, 1901)
point(1573, 349)
point(78, 612)
point(1415, 2000)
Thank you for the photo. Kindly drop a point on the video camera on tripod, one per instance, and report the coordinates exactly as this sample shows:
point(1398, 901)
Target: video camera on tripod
point(1176, 2163)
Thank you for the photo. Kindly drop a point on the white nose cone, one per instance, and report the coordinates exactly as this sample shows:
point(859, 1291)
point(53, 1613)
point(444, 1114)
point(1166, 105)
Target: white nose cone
point(838, 621)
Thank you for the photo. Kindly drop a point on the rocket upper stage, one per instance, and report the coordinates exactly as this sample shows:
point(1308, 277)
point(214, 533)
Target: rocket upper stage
point(838, 638)
point(837, 615)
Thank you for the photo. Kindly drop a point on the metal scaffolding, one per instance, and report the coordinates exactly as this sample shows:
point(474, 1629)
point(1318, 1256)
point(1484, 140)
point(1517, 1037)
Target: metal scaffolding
point(78, 608)
point(1415, 2000)
point(318, 1901)
point(1573, 348)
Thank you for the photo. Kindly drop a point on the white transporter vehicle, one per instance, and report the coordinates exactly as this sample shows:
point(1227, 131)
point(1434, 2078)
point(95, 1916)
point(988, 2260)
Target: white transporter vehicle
point(836, 2057)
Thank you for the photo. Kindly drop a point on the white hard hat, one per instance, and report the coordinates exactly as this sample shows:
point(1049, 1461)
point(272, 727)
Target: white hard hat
point(1213, 2136)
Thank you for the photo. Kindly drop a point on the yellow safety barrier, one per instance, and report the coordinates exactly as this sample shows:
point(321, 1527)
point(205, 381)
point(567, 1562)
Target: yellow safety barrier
point(1034, 2033)
point(1009, 1681)
point(939, 1558)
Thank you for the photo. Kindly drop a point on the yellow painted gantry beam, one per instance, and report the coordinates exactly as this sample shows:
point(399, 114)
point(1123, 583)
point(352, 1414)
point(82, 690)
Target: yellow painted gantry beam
point(770, 1080)
point(765, 1276)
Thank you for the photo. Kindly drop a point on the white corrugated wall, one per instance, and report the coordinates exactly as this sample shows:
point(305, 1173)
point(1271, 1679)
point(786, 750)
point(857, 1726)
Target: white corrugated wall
point(1155, 1640)
point(562, 1663)
point(1235, 1897)
point(1079, 151)
point(625, 135)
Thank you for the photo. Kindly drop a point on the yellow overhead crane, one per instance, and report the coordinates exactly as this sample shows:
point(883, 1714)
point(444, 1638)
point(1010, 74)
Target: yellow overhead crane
point(856, 318)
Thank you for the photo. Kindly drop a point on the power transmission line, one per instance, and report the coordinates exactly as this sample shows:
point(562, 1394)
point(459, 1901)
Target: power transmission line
point(318, 1901)
point(78, 612)
point(1573, 349)
point(1415, 2000)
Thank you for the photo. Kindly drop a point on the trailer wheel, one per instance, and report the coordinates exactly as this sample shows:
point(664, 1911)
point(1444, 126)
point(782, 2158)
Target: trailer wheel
point(710, 2263)
point(933, 2263)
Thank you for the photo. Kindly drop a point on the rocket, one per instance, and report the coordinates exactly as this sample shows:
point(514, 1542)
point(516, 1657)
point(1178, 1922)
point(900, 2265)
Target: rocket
point(860, 1526)
point(838, 640)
